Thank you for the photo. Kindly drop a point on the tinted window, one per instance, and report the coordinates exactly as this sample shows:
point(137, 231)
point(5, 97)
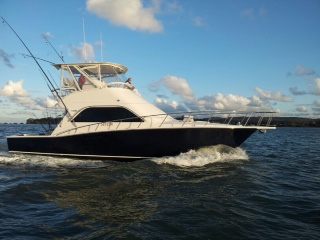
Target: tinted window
point(106, 115)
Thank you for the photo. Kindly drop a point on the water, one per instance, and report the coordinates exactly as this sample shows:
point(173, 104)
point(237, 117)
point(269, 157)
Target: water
point(267, 189)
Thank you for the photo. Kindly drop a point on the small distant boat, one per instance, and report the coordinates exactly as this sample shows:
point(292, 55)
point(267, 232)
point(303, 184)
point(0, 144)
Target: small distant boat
point(106, 118)
point(263, 131)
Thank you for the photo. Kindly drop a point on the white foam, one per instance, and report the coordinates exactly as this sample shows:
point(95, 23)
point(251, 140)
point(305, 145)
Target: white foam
point(204, 156)
point(198, 158)
point(22, 160)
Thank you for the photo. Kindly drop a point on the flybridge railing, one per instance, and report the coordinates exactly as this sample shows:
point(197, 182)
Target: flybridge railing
point(184, 119)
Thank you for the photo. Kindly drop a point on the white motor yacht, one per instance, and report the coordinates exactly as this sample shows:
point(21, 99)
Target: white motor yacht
point(107, 118)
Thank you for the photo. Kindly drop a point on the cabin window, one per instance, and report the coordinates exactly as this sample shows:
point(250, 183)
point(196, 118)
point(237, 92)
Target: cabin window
point(106, 115)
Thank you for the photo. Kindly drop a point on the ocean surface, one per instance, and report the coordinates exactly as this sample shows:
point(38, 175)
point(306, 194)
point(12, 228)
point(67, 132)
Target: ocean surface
point(269, 188)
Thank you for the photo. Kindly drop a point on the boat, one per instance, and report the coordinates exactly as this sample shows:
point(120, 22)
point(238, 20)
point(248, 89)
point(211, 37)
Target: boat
point(106, 118)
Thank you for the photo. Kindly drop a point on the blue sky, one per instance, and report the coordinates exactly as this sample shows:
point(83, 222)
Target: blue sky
point(181, 54)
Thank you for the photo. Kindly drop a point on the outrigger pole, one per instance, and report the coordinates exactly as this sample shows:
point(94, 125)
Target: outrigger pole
point(26, 55)
point(35, 59)
point(47, 40)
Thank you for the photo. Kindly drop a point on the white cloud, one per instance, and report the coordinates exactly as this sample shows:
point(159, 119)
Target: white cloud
point(226, 102)
point(229, 102)
point(16, 94)
point(47, 35)
point(173, 104)
point(168, 106)
point(301, 109)
point(177, 86)
point(216, 102)
point(129, 13)
point(13, 89)
point(316, 90)
point(277, 96)
point(256, 101)
point(180, 87)
point(84, 53)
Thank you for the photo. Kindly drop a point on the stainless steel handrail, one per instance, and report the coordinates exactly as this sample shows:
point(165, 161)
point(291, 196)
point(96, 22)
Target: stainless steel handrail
point(231, 115)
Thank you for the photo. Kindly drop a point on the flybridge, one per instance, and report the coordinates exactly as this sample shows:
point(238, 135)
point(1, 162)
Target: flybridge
point(95, 75)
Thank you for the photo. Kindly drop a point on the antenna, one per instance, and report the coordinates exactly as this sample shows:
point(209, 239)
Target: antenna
point(101, 47)
point(84, 41)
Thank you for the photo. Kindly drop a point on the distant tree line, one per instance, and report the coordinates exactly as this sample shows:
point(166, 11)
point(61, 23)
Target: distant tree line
point(48, 120)
point(295, 122)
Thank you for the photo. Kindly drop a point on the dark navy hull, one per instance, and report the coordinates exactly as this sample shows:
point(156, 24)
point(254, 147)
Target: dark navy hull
point(129, 144)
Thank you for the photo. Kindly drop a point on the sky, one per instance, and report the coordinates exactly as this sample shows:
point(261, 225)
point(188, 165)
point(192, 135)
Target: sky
point(242, 55)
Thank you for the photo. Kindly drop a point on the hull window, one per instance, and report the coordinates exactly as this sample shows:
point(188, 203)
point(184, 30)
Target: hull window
point(106, 115)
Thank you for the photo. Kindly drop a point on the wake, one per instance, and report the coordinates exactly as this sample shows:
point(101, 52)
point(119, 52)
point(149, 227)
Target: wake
point(21, 160)
point(204, 156)
point(193, 158)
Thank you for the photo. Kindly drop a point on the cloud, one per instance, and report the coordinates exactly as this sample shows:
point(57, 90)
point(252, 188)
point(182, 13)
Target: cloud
point(316, 111)
point(129, 13)
point(317, 103)
point(256, 101)
point(228, 102)
point(84, 53)
point(224, 102)
point(162, 96)
point(301, 71)
point(47, 35)
point(316, 90)
point(276, 96)
point(295, 91)
point(6, 58)
point(301, 109)
point(180, 87)
point(168, 106)
point(177, 86)
point(216, 102)
point(16, 94)
point(13, 89)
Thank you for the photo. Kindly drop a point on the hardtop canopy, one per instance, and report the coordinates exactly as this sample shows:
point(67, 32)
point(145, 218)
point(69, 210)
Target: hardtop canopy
point(105, 67)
